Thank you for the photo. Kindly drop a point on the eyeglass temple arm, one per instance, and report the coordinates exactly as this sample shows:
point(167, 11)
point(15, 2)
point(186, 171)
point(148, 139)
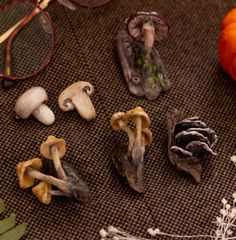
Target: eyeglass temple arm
point(8, 33)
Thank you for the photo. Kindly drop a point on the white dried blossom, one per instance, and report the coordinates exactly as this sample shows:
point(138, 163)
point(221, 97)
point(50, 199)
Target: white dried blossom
point(103, 233)
point(223, 212)
point(233, 159)
point(224, 201)
point(234, 195)
point(227, 206)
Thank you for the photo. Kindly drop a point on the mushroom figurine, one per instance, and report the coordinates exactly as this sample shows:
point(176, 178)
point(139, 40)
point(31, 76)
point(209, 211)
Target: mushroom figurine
point(77, 96)
point(67, 181)
point(32, 102)
point(25, 180)
point(54, 149)
point(129, 157)
point(143, 69)
point(43, 191)
point(190, 141)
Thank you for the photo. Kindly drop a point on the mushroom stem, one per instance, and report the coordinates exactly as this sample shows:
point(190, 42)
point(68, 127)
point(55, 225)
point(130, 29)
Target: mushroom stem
point(137, 153)
point(129, 132)
point(60, 184)
point(149, 36)
point(57, 193)
point(44, 114)
point(57, 162)
point(84, 105)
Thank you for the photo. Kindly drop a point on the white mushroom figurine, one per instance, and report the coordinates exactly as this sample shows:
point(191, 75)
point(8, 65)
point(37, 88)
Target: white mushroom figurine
point(32, 102)
point(77, 96)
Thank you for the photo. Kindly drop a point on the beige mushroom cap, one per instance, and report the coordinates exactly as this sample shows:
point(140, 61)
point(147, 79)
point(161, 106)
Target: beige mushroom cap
point(51, 140)
point(136, 22)
point(29, 101)
point(147, 134)
point(116, 118)
point(26, 181)
point(65, 97)
point(43, 192)
point(139, 112)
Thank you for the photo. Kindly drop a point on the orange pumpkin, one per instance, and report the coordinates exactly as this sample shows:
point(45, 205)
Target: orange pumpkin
point(227, 44)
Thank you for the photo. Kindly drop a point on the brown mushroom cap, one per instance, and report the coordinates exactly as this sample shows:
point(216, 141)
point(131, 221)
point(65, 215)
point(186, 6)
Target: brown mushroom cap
point(139, 112)
point(29, 101)
point(114, 121)
point(147, 134)
point(26, 181)
point(135, 23)
point(43, 192)
point(51, 140)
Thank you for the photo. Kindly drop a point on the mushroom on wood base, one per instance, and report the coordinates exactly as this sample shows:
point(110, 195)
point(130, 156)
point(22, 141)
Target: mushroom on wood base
point(129, 157)
point(190, 140)
point(143, 69)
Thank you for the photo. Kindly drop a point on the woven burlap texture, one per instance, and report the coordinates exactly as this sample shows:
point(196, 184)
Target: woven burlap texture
point(85, 50)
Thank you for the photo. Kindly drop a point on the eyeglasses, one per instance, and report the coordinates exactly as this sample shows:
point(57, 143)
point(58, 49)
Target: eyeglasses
point(27, 38)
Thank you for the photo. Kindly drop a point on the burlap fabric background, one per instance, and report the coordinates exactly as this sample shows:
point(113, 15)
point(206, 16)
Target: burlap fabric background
point(85, 50)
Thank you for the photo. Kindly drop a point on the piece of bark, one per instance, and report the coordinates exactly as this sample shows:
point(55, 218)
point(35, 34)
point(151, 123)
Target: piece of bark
point(144, 77)
point(134, 173)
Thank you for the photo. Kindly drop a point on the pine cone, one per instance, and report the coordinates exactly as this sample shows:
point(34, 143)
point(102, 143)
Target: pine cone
point(190, 140)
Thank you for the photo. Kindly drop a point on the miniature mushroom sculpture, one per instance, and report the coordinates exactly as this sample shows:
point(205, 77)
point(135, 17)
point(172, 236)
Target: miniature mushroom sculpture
point(143, 69)
point(190, 140)
point(25, 180)
point(119, 121)
point(43, 192)
point(54, 149)
point(141, 120)
point(128, 158)
point(32, 102)
point(77, 96)
point(147, 27)
point(68, 182)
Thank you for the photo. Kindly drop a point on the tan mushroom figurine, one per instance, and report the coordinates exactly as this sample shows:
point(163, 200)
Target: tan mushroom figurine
point(32, 102)
point(119, 121)
point(54, 149)
point(129, 158)
point(25, 180)
point(77, 96)
point(141, 120)
point(43, 192)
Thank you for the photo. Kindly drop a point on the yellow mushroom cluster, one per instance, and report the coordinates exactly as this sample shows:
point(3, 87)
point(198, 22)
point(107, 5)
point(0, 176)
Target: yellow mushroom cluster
point(139, 137)
point(67, 183)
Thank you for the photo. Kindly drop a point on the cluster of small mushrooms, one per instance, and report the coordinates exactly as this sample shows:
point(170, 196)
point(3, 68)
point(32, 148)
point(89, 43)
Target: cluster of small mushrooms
point(129, 157)
point(190, 140)
point(59, 175)
point(76, 96)
point(141, 63)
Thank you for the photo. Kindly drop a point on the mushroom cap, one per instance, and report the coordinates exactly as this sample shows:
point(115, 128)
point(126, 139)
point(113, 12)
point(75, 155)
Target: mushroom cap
point(51, 140)
point(139, 112)
point(136, 21)
point(116, 117)
point(147, 134)
point(26, 181)
point(64, 99)
point(43, 192)
point(29, 101)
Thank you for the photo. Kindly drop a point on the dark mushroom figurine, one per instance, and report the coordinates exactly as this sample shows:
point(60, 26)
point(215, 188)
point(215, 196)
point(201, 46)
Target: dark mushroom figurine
point(190, 140)
point(143, 69)
point(129, 157)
